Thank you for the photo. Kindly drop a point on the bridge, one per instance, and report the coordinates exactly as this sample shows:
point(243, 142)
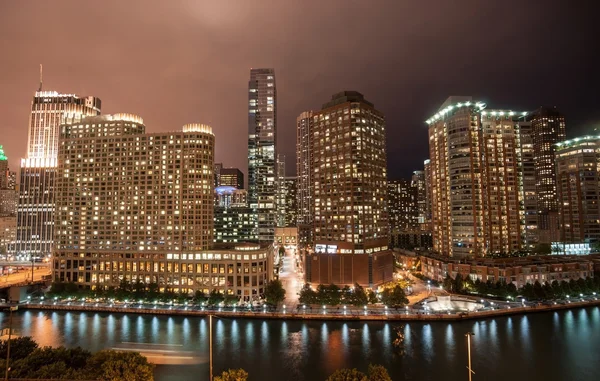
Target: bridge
point(23, 278)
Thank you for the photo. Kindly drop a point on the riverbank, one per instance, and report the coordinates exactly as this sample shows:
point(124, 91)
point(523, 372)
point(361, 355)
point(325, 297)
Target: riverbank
point(389, 315)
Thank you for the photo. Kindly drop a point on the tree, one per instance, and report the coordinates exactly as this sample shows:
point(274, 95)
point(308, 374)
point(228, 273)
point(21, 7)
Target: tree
point(233, 375)
point(347, 375)
point(378, 373)
point(448, 283)
point(335, 296)
point(372, 297)
point(542, 249)
point(199, 297)
point(458, 284)
point(215, 298)
point(307, 295)
point(274, 292)
point(394, 297)
point(119, 366)
point(20, 347)
point(75, 363)
point(359, 296)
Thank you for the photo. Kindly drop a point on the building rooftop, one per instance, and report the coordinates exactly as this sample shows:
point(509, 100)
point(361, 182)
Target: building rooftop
point(346, 96)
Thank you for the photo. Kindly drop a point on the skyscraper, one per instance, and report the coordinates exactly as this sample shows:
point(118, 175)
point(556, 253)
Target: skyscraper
point(304, 193)
point(548, 127)
point(529, 183)
point(403, 205)
point(232, 177)
point(418, 181)
point(35, 212)
point(350, 193)
point(280, 191)
point(290, 185)
point(578, 181)
point(262, 150)
point(427, 172)
point(476, 176)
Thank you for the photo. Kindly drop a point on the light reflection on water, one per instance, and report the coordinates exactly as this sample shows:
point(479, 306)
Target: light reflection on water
point(503, 348)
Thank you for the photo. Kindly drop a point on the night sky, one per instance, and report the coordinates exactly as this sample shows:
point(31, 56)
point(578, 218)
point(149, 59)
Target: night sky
point(175, 62)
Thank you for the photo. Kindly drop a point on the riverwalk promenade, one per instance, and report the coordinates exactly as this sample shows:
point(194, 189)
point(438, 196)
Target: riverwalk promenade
point(315, 313)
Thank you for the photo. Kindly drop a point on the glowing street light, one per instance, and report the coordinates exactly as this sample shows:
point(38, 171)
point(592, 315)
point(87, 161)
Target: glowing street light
point(471, 372)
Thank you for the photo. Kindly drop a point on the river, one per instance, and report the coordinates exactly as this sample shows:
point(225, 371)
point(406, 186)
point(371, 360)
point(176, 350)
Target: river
point(562, 345)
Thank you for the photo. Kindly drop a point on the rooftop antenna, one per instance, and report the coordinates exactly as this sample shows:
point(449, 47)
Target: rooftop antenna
point(40, 89)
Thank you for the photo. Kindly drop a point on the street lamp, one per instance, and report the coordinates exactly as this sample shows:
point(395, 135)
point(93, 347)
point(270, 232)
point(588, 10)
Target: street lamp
point(468, 335)
point(12, 308)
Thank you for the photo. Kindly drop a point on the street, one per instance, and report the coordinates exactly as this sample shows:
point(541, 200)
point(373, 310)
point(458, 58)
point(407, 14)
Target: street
point(291, 278)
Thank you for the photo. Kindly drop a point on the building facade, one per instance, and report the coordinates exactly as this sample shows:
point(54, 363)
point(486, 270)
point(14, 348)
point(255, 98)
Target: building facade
point(518, 271)
point(232, 177)
point(262, 150)
point(529, 184)
point(403, 205)
point(131, 205)
point(578, 186)
point(349, 180)
point(290, 185)
point(304, 193)
point(280, 191)
point(35, 210)
point(476, 176)
point(548, 128)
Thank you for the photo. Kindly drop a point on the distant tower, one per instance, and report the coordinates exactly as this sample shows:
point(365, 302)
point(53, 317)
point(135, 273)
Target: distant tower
point(548, 128)
point(35, 212)
point(349, 180)
point(304, 195)
point(578, 182)
point(262, 150)
point(476, 179)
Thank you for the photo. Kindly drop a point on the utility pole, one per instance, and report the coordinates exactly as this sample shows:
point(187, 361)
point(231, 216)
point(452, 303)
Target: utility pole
point(468, 335)
point(12, 308)
point(210, 350)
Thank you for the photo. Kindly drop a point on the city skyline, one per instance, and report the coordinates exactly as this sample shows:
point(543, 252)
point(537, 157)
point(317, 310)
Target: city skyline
point(400, 71)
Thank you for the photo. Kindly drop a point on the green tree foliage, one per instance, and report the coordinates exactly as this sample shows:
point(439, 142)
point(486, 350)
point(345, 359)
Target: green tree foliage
point(378, 373)
point(119, 366)
point(20, 347)
point(394, 297)
point(215, 298)
point(233, 375)
point(308, 295)
point(348, 375)
point(28, 361)
point(274, 292)
point(372, 297)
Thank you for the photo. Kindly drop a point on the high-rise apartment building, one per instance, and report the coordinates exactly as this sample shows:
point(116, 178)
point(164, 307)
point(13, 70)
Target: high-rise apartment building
point(427, 172)
point(403, 205)
point(262, 150)
point(476, 179)
point(349, 180)
point(8, 191)
point(290, 185)
point(280, 191)
point(578, 182)
point(418, 181)
point(35, 210)
point(305, 201)
point(529, 183)
point(232, 177)
point(548, 128)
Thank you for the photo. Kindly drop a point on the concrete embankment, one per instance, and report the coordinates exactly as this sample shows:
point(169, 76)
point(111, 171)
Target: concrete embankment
point(392, 315)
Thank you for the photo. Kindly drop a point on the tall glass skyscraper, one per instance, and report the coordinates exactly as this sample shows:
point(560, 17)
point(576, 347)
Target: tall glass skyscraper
point(35, 211)
point(262, 150)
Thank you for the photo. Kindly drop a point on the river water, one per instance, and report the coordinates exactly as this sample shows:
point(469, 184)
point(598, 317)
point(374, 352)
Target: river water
point(547, 346)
